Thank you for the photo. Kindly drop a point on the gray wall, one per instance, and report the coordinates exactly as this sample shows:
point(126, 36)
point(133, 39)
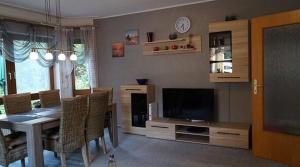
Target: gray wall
point(233, 101)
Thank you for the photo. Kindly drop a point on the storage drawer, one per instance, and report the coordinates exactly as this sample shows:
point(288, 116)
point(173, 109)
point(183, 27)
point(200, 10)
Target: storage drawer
point(160, 130)
point(126, 91)
point(228, 132)
point(230, 142)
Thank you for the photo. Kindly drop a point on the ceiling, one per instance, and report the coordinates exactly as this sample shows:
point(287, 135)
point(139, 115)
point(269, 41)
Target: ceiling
point(100, 8)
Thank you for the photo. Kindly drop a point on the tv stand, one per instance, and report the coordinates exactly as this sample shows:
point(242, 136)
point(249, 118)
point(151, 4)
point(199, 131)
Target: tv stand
point(220, 134)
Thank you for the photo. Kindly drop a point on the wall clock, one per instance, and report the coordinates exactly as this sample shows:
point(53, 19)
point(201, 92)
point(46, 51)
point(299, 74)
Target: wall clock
point(183, 24)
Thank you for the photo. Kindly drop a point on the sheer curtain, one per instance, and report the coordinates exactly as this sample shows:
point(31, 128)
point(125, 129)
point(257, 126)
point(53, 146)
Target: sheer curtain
point(65, 67)
point(87, 37)
point(18, 38)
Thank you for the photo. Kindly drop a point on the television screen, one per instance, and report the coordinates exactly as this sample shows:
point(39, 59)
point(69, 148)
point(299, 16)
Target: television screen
point(188, 104)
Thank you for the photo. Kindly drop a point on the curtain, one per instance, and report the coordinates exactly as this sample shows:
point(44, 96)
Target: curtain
point(66, 67)
point(19, 38)
point(87, 37)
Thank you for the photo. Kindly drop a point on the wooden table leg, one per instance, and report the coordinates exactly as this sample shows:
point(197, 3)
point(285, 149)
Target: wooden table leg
point(114, 127)
point(35, 146)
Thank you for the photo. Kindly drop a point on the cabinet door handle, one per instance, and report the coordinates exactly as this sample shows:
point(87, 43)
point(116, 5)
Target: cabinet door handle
point(228, 133)
point(133, 89)
point(229, 77)
point(163, 127)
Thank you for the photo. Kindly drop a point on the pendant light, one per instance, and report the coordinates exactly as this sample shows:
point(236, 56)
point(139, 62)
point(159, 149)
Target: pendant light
point(33, 55)
point(61, 56)
point(73, 57)
point(49, 55)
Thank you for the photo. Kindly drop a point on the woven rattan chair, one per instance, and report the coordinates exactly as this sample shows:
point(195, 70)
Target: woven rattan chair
point(105, 89)
point(107, 123)
point(12, 148)
point(50, 98)
point(98, 103)
point(17, 103)
point(71, 134)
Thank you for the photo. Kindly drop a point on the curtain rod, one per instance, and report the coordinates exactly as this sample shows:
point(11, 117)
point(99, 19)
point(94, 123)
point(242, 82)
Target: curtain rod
point(41, 23)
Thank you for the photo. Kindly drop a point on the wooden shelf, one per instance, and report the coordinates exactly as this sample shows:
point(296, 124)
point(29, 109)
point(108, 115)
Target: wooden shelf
point(181, 43)
point(191, 133)
point(166, 41)
point(193, 139)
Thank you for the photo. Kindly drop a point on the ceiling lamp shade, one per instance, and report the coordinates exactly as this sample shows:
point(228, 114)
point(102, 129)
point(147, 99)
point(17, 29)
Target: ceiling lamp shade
point(62, 56)
point(33, 55)
point(73, 57)
point(49, 55)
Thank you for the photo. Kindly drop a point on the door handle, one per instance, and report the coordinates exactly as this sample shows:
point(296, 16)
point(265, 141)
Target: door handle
point(255, 85)
point(9, 76)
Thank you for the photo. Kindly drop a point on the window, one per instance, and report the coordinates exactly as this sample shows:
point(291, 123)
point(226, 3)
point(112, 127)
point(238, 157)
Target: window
point(81, 71)
point(30, 75)
point(2, 72)
point(2, 76)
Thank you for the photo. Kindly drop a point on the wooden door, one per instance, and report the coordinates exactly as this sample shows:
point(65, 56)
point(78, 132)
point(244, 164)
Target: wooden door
point(276, 83)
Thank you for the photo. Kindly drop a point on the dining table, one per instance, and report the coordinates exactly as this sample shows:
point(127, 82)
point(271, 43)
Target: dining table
point(34, 122)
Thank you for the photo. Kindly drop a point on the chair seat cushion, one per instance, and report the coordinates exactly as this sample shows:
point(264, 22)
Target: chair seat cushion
point(15, 139)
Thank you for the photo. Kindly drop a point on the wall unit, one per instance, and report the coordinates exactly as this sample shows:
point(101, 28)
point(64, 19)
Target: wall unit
point(135, 100)
point(229, 51)
point(183, 45)
point(220, 134)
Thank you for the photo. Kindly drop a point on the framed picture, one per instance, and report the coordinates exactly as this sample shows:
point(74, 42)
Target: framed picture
point(117, 49)
point(132, 37)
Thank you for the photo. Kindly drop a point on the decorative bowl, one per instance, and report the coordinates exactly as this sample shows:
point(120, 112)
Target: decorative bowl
point(142, 81)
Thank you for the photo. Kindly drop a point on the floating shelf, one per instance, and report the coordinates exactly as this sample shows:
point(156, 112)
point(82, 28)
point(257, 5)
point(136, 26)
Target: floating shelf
point(195, 41)
point(165, 41)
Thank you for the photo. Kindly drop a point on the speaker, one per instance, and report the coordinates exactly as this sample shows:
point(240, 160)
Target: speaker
point(153, 111)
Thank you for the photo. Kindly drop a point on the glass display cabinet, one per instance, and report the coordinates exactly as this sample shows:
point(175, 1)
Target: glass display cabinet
point(228, 50)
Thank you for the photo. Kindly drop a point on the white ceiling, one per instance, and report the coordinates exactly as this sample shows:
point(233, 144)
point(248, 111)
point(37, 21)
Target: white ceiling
point(100, 8)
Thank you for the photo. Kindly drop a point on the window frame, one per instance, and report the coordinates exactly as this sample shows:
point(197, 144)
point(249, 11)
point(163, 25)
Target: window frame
point(11, 76)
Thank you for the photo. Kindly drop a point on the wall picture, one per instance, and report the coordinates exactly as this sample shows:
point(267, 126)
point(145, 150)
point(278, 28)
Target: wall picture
point(132, 37)
point(117, 49)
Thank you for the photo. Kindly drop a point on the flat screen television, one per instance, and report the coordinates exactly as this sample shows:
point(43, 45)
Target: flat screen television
point(188, 104)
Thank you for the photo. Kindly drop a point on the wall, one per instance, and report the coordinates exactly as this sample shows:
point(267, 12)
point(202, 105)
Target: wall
point(27, 15)
point(182, 71)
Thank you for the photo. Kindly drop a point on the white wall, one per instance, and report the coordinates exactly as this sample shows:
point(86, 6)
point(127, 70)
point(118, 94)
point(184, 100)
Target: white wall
point(27, 15)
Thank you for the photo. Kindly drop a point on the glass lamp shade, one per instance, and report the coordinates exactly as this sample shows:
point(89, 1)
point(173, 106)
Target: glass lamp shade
point(73, 57)
point(49, 56)
point(34, 55)
point(61, 56)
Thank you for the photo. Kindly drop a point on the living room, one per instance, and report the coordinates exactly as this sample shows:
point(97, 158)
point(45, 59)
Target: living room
point(175, 101)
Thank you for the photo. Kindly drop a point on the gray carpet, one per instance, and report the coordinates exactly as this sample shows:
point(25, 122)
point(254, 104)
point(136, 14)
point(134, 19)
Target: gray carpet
point(139, 151)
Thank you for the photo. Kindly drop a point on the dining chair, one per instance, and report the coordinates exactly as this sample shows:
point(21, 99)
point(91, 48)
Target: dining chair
point(107, 122)
point(12, 148)
point(49, 98)
point(71, 134)
point(98, 104)
point(17, 103)
point(105, 89)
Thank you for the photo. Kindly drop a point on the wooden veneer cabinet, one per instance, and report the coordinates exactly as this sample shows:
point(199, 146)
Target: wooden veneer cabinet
point(128, 107)
point(234, 135)
point(239, 50)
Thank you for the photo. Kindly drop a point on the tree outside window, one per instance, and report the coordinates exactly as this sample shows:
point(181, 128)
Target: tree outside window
point(81, 71)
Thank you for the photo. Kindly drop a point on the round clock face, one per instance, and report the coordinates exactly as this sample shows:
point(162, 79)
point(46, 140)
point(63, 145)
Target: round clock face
point(182, 24)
